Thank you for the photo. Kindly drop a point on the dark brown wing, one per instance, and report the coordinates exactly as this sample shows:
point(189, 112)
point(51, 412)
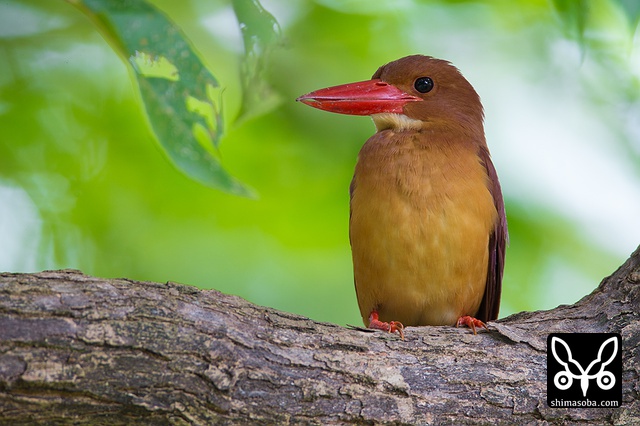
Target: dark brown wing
point(352, 188)
point(490, 305)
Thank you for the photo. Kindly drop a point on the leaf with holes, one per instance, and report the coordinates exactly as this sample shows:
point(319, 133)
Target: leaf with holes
point(180, 95)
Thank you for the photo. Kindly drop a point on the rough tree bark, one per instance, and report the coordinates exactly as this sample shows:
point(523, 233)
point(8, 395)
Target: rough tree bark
point(83, 350)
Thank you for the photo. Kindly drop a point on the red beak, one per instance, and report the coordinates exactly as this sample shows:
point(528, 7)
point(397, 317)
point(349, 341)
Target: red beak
point(362, 98)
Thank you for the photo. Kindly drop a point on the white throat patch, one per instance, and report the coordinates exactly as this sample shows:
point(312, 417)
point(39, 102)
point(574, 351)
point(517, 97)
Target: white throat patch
point(395, 122)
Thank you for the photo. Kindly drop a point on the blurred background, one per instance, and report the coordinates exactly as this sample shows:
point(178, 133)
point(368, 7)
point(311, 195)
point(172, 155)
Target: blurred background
point(83, 183)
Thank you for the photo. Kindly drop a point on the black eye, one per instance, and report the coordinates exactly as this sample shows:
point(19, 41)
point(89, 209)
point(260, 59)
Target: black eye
point(423, 84)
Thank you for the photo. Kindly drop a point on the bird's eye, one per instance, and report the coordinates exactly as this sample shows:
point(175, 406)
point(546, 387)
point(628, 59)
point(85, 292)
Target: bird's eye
point(423, 84)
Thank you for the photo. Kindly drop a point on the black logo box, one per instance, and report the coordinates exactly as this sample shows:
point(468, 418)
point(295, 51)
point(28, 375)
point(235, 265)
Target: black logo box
point(584, 369)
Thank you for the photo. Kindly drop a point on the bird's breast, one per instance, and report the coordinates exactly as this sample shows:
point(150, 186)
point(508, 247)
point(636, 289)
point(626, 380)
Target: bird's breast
point(421, 215)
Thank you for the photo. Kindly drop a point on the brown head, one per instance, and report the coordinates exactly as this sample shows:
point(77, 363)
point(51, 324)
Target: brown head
point(422, 88)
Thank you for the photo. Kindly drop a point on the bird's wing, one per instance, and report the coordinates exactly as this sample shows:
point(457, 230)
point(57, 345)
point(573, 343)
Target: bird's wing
point(352, 187)
point(490, 305)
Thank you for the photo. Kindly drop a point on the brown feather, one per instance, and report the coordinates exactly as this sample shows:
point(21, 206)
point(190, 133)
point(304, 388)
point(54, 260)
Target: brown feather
point(490, 305)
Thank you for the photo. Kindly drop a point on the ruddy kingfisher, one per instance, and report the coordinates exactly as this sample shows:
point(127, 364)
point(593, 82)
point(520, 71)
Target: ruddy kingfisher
point(427, 221)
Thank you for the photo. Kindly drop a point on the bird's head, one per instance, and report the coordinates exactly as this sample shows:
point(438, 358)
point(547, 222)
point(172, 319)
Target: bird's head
point(416, 92)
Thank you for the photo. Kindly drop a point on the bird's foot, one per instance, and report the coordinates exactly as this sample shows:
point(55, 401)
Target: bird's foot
point(390, 327)
point(470, 322)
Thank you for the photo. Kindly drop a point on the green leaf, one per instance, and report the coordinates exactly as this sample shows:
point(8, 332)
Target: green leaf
point(260, 33)
point(574, 14)
point(631, 9)
point(178, 92)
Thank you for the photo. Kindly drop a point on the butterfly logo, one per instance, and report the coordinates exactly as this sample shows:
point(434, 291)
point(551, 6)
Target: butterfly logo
point(564, 379)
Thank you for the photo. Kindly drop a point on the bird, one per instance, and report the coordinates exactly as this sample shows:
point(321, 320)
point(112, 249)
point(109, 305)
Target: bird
point(427, 223)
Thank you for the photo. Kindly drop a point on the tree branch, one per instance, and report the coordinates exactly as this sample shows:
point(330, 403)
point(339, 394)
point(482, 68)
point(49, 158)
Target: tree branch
point(83, 350)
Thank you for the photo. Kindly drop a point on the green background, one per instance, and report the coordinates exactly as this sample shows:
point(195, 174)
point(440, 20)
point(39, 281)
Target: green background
point(84, 184)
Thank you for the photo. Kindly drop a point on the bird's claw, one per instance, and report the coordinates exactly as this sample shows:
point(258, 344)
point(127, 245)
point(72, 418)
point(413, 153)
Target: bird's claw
point(470, 322)
point(395, 326)
point(389, 327)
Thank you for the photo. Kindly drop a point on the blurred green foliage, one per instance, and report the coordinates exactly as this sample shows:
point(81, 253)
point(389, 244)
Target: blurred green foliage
point(83, 184)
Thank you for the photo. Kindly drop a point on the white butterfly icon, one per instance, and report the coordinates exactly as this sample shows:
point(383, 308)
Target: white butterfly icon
point(564, 379)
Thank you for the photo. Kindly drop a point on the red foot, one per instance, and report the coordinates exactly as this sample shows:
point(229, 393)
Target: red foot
point(391, 326)
point(470, 322)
